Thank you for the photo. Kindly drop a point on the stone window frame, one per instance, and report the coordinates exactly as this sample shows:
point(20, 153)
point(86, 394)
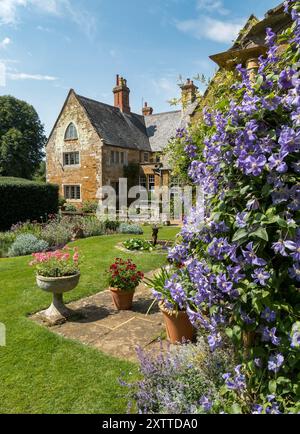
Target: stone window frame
point(146, 159)
point(75, 136)
point(118, 158)
point(71, 165)
point(65, 186)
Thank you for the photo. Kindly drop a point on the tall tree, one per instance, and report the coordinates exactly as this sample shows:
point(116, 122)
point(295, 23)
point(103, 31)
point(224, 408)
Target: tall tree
point(22, 138)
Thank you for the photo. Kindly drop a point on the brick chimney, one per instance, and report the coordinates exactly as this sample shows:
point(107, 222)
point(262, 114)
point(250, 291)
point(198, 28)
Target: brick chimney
point(121, 92)
point(147, 111)
point(189, 93)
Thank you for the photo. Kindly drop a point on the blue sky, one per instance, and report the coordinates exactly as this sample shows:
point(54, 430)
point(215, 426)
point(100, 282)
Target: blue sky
point(50, 46)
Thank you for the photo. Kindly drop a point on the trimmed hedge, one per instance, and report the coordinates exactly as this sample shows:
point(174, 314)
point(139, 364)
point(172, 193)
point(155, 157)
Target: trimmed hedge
point(22, 200)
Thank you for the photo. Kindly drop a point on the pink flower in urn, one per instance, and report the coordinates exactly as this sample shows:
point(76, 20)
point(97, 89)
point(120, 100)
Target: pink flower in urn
point(56, 264)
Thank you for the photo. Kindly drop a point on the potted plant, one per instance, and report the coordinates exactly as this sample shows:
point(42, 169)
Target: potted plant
point(166, 289)
point(123, 278)
point(57, 272)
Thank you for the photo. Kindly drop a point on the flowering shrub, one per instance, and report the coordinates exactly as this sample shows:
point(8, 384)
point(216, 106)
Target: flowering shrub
point(25, 244)
point(126, 228)
point(178, 380)
point(244, 262)
point(138, 244)
point(69, 207)
point(57, 264)
point(124, 275)
point(89, 206)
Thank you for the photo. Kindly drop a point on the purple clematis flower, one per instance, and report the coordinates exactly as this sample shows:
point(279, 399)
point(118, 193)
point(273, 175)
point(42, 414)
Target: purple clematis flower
point(240, 219)
point(251, 257)
point(260, 276)
point(286, 78)
point(257, 409)
point(275, 362)
point(268, 335)
point(295, 272)
point(268, 315)
point(223, 284)
point(276, 162)
point(254, 165)
point(280, 247)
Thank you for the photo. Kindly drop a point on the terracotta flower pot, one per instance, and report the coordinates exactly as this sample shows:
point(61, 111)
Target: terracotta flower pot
point(178, 325)
point(122, 299)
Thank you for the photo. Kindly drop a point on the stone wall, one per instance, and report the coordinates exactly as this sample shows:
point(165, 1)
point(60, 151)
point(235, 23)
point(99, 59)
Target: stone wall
point(88, 174)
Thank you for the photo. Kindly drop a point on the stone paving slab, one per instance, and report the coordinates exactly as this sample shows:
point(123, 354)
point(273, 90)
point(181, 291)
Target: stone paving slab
point(96, 322)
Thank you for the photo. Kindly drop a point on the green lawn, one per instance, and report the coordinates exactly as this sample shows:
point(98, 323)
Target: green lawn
point(41, 372)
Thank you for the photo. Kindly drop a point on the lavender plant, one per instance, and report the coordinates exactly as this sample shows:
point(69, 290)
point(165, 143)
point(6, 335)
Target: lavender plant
point(244, 261)
point(177, 380)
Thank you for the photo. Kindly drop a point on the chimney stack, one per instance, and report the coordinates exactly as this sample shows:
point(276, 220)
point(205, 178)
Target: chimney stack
point(121, 92)
point(147, 111)
point(189, 93)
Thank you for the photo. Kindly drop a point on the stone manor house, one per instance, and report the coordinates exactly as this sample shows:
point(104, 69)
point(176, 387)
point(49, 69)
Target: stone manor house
point(92, 143)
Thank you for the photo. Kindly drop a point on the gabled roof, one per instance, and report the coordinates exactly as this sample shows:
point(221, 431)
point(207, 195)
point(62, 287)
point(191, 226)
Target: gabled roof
point(161, 128)
point(115, 127)
point(132, 131)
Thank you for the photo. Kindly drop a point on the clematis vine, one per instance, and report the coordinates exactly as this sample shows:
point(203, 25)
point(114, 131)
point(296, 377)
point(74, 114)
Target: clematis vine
point(242, 265)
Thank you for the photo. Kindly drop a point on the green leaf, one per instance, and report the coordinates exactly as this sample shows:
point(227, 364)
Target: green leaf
point(229, 332)
point(241, 233)
point(272, 386)
point(236, 409)
point(260, 233)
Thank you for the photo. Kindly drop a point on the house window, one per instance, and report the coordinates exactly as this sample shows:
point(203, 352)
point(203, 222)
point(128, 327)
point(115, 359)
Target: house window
point(112, 157)
point(117, 158)
point(72, 192)
point(143, 182)
point(71, 132)
point(71, 158)
point(122, 158)
point(146, 157)
point(151, 182)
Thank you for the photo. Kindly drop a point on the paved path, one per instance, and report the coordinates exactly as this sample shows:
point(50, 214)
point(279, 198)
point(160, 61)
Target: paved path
point(97, 323)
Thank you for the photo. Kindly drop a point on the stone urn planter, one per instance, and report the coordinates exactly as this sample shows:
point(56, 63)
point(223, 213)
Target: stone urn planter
point(122, 300)
point(57, 312)
point(178, 325)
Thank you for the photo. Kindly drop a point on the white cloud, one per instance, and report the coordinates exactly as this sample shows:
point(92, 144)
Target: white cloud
point(205, 27)
point(24, 76)
point(63, 8)
point(5, 43)
point(212, 6)
point(166, 87)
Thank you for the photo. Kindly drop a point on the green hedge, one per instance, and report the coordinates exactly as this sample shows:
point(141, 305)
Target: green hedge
point(22, 200)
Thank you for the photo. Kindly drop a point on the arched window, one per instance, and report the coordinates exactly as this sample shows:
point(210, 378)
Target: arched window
point(71, 132)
